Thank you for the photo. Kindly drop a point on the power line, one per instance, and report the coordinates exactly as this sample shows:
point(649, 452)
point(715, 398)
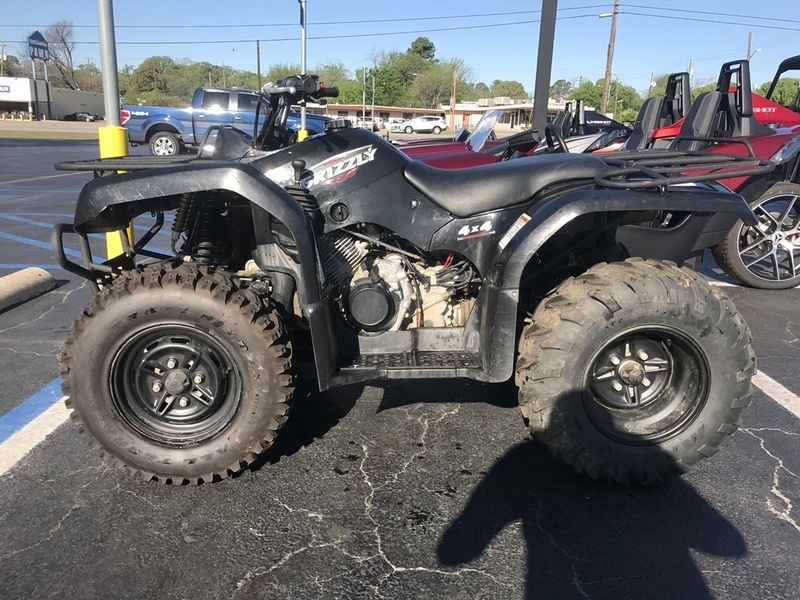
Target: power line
point(310, 23)
point(715, 21)
point(715, 14)
point(331, 37)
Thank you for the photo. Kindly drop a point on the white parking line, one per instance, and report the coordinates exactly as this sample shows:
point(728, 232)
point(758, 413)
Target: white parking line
point(777, 392)
point(42, 177)
point(16, 447)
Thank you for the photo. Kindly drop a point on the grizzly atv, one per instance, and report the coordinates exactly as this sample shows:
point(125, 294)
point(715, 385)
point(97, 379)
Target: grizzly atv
point(342, 249)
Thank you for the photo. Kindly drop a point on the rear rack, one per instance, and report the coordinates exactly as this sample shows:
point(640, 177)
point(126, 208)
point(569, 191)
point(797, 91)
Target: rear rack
point(125, 163)
point(643, 169)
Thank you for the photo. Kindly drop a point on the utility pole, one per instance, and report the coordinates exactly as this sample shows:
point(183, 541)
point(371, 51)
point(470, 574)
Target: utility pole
point(2, 61)
point(749, 44)
point(610, 56)
point(363, 94)
point(453, 102)
point(303, 133)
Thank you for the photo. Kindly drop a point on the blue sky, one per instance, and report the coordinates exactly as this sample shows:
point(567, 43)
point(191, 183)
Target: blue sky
point(496, 40)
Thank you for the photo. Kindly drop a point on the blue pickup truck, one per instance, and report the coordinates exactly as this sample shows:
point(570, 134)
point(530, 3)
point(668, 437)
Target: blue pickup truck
point(169, 131)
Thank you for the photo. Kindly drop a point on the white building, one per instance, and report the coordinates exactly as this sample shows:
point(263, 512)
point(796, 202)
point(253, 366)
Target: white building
point(41, 100)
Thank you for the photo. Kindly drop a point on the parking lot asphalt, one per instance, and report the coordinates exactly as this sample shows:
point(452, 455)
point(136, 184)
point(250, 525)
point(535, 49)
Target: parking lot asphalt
point(422, 489)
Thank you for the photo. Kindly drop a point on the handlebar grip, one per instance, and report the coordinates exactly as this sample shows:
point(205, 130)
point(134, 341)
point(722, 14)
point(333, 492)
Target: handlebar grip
point(328, 92)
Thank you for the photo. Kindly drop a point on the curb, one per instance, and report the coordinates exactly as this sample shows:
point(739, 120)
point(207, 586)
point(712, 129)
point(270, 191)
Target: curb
point(24, 285)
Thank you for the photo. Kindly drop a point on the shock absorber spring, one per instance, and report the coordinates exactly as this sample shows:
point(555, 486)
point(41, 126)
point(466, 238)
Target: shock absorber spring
point(187, 210)
point(206, 229)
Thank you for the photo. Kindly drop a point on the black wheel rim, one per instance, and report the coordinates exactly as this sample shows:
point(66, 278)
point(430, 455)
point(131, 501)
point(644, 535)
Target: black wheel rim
point(175, 384)
point(770, 250)
point(646, 385)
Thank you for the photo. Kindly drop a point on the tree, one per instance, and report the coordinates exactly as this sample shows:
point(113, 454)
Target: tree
point(481, 89)
point(281, 70)
point(89, 78)
point(511, 89)
point(13, 67)
point(423, 48)
point(589, 92)
point(785, 92)
point(696, 91)
point(61, 41)
point(435, 86)
point(560, 89)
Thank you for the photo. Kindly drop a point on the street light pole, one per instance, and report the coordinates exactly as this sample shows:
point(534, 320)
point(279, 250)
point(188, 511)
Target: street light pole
point(610, 57)
point(303, 133)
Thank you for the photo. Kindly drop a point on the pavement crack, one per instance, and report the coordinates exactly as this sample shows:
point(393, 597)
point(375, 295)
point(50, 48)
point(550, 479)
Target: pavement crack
point(65, 294)
point(76, 504)
point(782, 507)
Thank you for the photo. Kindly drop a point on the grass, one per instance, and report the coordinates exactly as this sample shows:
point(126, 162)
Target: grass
point(48, 135)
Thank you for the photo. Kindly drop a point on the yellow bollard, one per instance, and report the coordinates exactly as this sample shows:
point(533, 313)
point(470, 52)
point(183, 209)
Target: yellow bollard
point(114, 144)
point(302, 134)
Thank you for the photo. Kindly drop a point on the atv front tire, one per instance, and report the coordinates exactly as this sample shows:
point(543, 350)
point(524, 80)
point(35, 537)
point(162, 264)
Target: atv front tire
point(178, 374)
point(766, 255)
point(635, 371)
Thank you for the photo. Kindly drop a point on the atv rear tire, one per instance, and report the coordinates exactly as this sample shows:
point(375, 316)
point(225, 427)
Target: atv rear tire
point(766, 255)
point(178, 374)
point(635, 371)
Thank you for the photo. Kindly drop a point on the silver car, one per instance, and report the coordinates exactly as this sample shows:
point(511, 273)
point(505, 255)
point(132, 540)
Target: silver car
point(427, 124)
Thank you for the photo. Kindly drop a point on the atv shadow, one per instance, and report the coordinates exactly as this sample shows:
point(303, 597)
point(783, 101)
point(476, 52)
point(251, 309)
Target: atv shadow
point(315, 413)
point(590, 539)
point(398, 393)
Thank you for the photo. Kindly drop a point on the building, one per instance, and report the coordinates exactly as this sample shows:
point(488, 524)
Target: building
point(382, 113)
point(38, 99)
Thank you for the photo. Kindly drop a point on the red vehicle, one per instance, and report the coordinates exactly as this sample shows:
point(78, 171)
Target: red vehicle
point(738, 122)
point(765, 255)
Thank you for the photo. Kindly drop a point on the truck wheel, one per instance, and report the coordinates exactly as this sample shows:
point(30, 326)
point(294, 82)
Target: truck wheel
point(766, 255)
point(634, 371)
point(409, 129)
point(178, 374)
point(165, 143)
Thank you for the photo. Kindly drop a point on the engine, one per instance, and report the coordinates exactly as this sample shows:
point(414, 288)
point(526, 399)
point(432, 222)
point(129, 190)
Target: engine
point(383, 287)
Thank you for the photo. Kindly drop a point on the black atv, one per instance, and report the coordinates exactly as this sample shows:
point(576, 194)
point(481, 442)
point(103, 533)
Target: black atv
point(343, 250)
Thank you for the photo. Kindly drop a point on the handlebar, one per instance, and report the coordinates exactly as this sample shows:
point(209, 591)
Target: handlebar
point(301, 86)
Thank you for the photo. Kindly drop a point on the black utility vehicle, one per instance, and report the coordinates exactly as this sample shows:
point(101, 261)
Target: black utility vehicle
point(342, 250)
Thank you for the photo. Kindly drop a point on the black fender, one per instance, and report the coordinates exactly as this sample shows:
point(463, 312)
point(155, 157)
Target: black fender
point(531, 230)
point(110, 203)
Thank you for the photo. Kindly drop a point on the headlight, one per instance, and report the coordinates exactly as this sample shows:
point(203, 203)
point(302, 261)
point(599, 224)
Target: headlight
point(787, 151)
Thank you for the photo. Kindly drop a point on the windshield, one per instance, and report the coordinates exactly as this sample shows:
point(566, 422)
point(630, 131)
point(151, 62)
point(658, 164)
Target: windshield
point(483, 130)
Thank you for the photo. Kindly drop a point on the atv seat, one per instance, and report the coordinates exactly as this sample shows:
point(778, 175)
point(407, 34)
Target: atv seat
point(471, 191)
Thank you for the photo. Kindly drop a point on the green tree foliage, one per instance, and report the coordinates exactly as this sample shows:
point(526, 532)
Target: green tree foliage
point(423, 48)
point(89, 78)
point(785, 93)
point(13, 67)
point(512, 89)
point(590, 93)
point(481, 90)
point(281, 70)
point(624, 101)
point(696, 91)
